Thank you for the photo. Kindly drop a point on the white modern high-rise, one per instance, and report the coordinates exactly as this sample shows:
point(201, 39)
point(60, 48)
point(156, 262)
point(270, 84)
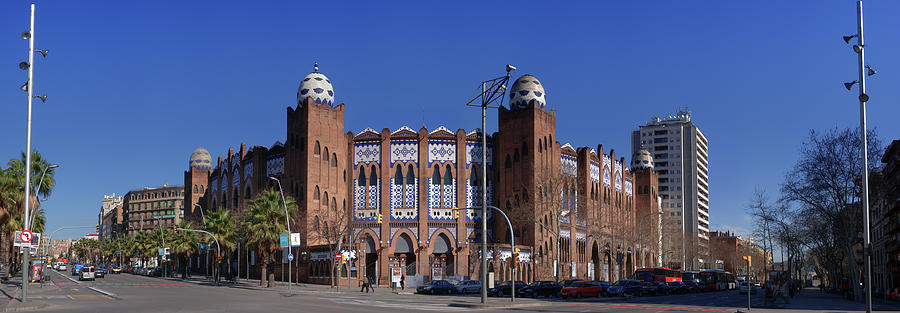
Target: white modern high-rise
point(681, 160)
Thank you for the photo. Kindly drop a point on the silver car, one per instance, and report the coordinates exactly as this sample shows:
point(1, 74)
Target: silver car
point(87, 273)
point(469, 286)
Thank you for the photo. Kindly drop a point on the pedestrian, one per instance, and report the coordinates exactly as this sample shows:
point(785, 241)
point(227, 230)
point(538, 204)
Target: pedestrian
point(402, 282)
point(371, 284)
point(365, 285)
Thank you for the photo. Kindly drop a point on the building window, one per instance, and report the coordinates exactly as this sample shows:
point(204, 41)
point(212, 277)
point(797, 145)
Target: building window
point(333, 159)
point(318, 150)
point(410, 175)
point(325, 199)
point(398, 176)
point(333, 204)
point(316, 193)
point(373, 177)
point(448, 176)
point(325, 157)
point(361, 181)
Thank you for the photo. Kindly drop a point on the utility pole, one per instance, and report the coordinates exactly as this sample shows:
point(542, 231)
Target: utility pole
point(26, 253)
point(863, 98)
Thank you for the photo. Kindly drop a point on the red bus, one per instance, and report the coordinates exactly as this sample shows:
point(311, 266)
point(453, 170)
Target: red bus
point(717, 280)
point(660, 274)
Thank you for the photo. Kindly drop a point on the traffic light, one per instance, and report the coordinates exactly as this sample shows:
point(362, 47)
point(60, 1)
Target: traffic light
point(455, 213)
point(175, 229)
point(746, 258)
point(380, 217)
point(97, 227)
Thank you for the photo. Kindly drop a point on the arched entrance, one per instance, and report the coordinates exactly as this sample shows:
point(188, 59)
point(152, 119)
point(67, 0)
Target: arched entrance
point(403, 249)
point(442, 261)
point(371, 258)
point(595, 269)
point(607, 266)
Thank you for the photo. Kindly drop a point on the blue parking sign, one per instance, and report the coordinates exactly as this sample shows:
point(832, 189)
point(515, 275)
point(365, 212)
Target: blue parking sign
point(284, 240)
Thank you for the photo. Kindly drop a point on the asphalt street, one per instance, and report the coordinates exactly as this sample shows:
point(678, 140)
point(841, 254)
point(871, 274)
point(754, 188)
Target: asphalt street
point(132, 293)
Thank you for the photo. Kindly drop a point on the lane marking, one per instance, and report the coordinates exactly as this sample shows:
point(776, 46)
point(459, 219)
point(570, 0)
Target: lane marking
point(70, 297)
point(104, 292)
point(649, 307)
point(66, 277)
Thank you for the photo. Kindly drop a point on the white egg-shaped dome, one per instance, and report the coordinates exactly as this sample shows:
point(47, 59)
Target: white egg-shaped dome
point(317, 86)
point(201, 159)
point(642, 160)
point(525, 89)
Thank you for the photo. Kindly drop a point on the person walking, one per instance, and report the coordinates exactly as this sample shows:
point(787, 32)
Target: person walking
point(365, 285)
point(371, 284)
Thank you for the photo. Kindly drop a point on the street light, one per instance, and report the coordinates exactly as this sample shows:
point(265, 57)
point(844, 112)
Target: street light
point(287, 223)
point(495, 93)
point(859, 48)
point(41, 181)
point(203, 217)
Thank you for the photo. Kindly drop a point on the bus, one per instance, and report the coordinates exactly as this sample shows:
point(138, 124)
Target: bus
point(690, 276)
point(660, 274)
point(717, 280)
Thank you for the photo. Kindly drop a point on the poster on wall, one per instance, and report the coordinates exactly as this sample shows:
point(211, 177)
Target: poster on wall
point(437, 273)
point(395, 274)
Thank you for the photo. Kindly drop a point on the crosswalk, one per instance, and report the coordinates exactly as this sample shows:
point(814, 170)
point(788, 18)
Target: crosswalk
point(397, 303)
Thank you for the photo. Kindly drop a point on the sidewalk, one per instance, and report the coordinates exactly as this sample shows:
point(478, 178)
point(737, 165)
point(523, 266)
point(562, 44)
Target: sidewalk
point(814, 300)
point(11, 289)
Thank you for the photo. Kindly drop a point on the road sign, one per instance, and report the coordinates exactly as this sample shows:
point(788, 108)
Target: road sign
point(284, 240)
point(290, 257)
point(25, 236)
point(338, 256)
point(161, 251)
point(295, 239)
point(202, 246)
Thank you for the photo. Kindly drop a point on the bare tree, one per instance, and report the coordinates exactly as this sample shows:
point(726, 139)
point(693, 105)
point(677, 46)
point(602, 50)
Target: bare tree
point(327, 228)
point(822, 185)
point(552, 189)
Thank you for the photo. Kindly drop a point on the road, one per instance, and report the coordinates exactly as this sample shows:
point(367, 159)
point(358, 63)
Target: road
point(132, 293)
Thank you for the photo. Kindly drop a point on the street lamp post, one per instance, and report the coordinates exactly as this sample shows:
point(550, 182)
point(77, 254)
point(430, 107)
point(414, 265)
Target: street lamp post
point(641, 235)
point(288, 224)
point(202, 217)
point(860, 50)
point(40, 182)
point(163, 234)
point(487, 95)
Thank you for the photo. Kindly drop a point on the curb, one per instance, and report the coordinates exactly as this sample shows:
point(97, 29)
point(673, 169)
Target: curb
point(33, 306)
point(498, 305)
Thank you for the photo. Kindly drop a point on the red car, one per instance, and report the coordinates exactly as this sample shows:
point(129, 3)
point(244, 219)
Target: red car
point(584, 289)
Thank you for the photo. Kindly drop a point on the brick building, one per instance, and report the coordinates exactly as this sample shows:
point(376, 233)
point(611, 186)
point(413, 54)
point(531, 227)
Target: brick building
point(884, 192)
point(414, 178)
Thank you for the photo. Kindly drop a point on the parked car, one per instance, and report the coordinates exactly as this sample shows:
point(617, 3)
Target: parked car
point(692, 286)
point(505, 288)
point(747, 287)
point(61, 267)
point(436, 287)
point(469, 286)
point(545, 288)
point(677, 287)
point(649, 289)
point(115, 270)
point(571, 282)
point(625, 287)
point(584, 289)
point(662, 288)
point(155, 272)
point(87, 273)
point(76, 270)
point(101, 271)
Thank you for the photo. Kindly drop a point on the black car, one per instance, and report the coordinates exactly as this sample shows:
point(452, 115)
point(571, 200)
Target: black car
point(625, 287)
point(692, 286)
point(662, 288)
point(541, 288)
point(436, 287)
point(505, 288)
point(677, 287)
point(649, 289)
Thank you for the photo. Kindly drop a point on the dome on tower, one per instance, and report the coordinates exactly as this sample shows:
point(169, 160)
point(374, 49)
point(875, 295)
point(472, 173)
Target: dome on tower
point(317, 86)
point(642, 160)
point(201, 159)
point(525, 89)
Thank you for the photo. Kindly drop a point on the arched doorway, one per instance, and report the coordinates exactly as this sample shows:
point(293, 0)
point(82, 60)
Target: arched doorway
point(607, 266)
point(403, 249)
point(442, 261)
point(595, 268)
point(371, 258)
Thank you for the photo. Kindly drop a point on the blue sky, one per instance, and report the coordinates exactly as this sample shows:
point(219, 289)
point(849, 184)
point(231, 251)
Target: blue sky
point(135, 87)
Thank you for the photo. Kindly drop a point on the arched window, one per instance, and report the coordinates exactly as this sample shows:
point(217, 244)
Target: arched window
point(373, 177)
point(318, 150)
point(344, 205)
point(235, 196)
point(524, 150)
point(196, 189)
point(247, 194)
point(316, 223)
point(362, 177)
point(333, 159)
point(333, 204)
point(516, 155)
point(473, 177)
point(448, 176)
point(551, 139)
point(316, 193)
point(325, 157)
point(398, 176)
point(436, 176)
point(325, 199)
point(410, 175)
point(540, 148)
point(508, 162)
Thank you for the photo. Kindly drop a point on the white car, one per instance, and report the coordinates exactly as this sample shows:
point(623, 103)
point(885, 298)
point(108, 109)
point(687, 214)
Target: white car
point(61, 267)
point(87, 273)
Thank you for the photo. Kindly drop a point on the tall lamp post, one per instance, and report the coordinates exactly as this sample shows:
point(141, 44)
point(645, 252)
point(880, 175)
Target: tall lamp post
point(864, 70)
point(29, 89)
point(40, 182)
point(492, 91)
point(288, 224)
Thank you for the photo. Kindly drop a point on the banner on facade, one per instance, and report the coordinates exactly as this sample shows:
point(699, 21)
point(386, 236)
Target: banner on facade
point(437, 273)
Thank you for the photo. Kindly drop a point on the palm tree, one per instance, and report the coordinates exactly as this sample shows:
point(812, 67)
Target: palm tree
point(222, 224)
point(185, 243)
point(264, 223)
point(12, 198)
point(161, 237)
